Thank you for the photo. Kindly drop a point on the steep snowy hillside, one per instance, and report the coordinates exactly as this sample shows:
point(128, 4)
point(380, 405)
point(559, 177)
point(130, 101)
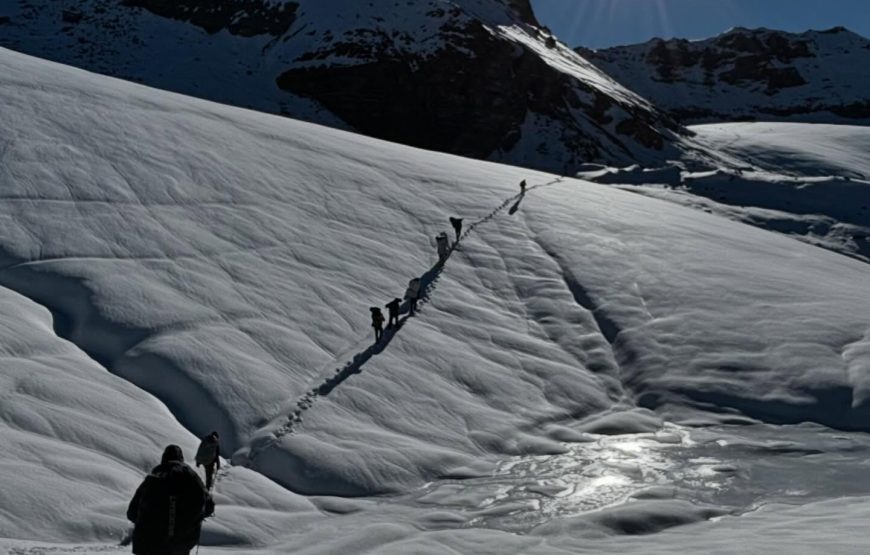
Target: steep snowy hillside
point(749, 74)
point(591, 370)
point(472, 77)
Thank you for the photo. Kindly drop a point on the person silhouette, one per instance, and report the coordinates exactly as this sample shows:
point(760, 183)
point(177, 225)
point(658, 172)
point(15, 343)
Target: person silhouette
point(523, 187)
point(209, 456)
point(169, 506)
point(443, 244)
point(412, 293)
point(457, 226)
point(393, 312)
point(377, 322)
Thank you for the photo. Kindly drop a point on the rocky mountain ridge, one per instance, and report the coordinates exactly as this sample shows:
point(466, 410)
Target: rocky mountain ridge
point(749, 74)
point(478, 78)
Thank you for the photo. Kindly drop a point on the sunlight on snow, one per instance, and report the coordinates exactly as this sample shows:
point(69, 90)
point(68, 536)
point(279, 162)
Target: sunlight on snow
point(607, 470)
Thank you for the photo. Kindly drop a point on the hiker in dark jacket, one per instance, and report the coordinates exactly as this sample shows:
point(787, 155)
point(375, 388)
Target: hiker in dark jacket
point(377, 322)
point(393, 312)
point(169, 507)
point(457, 226)
point(523, 187)
point(209, 456)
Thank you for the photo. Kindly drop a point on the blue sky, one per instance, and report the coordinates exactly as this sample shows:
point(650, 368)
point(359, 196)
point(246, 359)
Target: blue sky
point(600, 23)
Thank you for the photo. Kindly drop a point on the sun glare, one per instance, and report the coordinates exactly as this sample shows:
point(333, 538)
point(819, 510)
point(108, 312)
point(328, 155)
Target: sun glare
point(602, 22)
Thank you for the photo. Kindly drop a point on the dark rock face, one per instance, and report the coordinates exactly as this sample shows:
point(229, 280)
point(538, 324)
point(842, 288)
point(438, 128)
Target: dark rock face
point(478, 78)
point(757, 69)
point(240, 17)
point(71, 16)
point(523, 9)
point(748, 74)
point(736, 58)
point(459, 103)
point(423, 102)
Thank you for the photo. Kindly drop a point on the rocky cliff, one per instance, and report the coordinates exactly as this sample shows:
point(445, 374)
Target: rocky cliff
point(747, 74)
point(477, 78)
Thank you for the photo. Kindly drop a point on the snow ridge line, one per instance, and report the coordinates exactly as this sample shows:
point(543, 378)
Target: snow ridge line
point(428, 284)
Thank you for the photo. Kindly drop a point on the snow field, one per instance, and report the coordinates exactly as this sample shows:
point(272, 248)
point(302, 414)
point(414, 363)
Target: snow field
point(804, 180)
point(220, 264)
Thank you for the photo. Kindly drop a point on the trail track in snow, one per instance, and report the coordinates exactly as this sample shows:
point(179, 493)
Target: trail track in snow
point(428, 285)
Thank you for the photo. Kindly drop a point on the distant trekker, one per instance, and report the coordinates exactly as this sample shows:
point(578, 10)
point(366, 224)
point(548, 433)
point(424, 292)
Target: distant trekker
point(412, 293)
point(523, 187)
point(393, 312)
point(457, 226)
point(169, 507)
point(443, 244)
point(209, 456)
point(377, 322)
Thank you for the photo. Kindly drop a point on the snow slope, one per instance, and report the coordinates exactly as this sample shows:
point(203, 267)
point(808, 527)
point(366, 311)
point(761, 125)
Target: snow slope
point(574, 377)
point(805, 150)
point(805, 180)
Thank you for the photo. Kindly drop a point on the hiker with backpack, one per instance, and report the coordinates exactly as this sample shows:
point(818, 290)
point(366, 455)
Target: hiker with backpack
point(168, 508)
point(209, 456)
point(393, 312)
point(377, 322)
point(412, 293)
point(443, 245)
point(523, 187)
point(457, 226)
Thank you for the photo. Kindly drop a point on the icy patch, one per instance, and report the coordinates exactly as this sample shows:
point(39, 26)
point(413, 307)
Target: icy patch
point(734, 468)
point(602, 471)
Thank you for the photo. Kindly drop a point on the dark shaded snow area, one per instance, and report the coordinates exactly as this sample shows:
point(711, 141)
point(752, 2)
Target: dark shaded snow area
point(592, 370)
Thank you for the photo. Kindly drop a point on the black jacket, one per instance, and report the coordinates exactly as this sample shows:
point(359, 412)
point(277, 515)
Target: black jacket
point(168, 510)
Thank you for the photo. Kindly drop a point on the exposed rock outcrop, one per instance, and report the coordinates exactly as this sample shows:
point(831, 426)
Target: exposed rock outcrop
point(749, 74)
point(477, 78)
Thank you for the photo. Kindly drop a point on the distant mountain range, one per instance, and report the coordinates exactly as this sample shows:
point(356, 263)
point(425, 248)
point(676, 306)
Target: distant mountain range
point(479, 78)
point(749, 74)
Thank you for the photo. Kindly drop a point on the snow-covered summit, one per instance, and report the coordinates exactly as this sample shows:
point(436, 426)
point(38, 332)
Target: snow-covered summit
point(764, 74)
point(478, 78)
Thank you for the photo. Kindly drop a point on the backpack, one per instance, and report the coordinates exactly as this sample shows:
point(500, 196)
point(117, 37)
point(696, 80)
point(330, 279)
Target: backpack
point(413, 290)
point(169, 508)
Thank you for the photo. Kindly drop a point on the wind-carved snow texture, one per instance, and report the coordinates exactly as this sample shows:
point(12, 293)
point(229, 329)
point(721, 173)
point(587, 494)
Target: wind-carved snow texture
point(593, 375)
